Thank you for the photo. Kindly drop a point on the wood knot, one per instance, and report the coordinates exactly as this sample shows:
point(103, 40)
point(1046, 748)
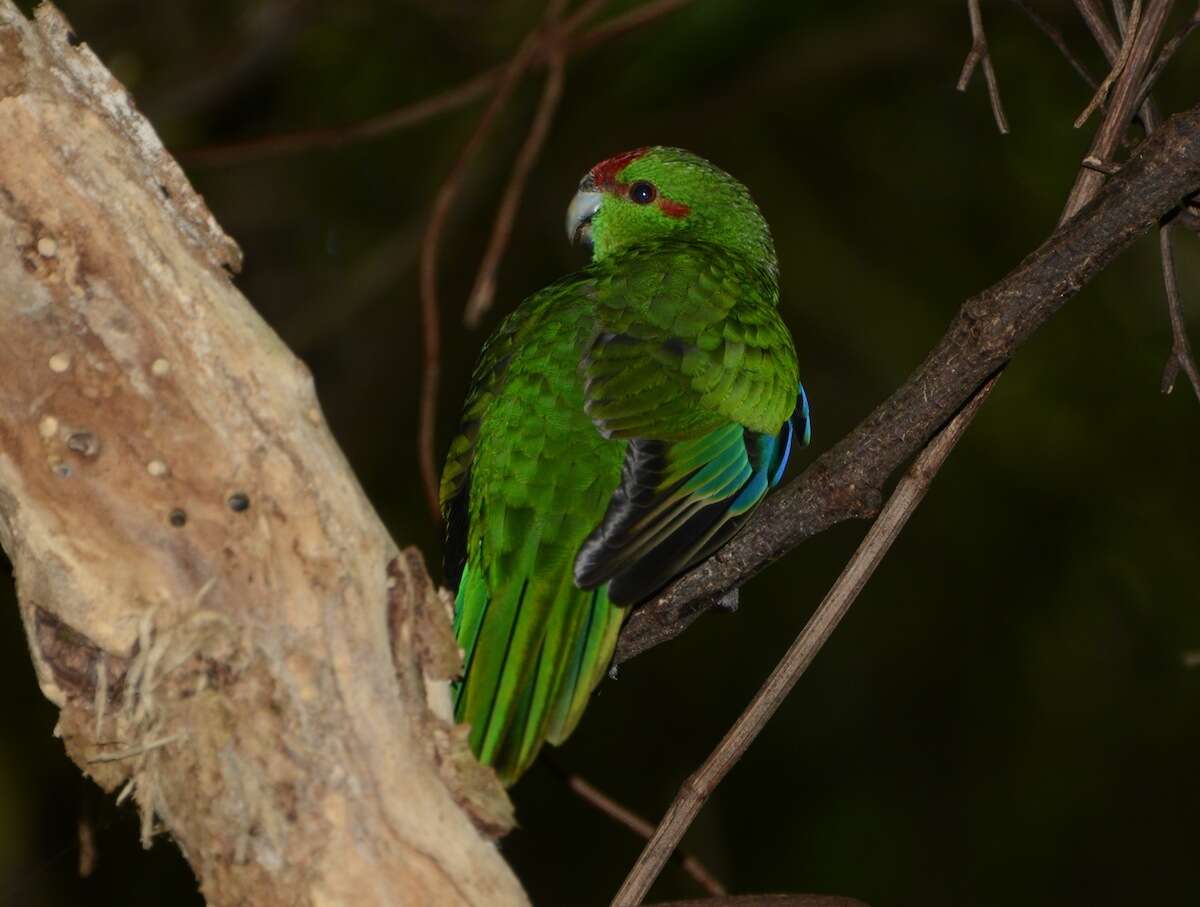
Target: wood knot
point(83, 443)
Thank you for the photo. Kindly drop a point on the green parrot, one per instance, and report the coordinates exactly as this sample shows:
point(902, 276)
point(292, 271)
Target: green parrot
point(621, 426)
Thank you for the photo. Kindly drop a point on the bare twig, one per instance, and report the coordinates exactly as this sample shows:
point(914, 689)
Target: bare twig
point(883, 532)
point(1118, 66)
point(979, 55)
point(253, 149)
point(444, 102)
point(625, 816)
point(1093, 18)
point(1165, 55)
point(586, 12)
point(264, 32)
point(619, 25)
point(1124, 94)
point(1056, 36)
point(430, 315)
point(484, 290)
point(1181, 350)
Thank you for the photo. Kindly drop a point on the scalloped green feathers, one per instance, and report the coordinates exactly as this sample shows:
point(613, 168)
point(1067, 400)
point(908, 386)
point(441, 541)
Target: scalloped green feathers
point(621, 425)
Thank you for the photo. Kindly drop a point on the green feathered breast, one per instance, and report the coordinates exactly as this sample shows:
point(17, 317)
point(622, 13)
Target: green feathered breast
point(621, 424)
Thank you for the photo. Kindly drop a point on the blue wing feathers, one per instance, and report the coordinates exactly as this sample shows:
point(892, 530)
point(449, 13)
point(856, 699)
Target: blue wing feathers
point(679, 502)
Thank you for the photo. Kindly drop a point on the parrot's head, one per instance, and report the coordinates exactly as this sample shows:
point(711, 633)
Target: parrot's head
point(658, 193)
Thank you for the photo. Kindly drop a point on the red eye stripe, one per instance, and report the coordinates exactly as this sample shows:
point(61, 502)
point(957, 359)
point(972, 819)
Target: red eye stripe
point(604, 174)
point(673, 209)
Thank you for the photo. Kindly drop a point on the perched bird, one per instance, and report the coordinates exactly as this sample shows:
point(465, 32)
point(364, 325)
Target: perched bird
point(621, 425)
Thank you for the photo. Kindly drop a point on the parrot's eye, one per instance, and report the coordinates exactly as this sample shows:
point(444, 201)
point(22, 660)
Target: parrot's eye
point(642, 192)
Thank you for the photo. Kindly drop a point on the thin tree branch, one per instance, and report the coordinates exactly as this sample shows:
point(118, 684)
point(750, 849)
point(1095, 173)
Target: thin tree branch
point(1124, 95)
point(979, 55)
point(619, 25)
point(328, 137)
point(1181, 350)
point(1166, 54)
point(879, 538)
point(1056, 37)
point(459, 96)
point(1118, 67)
point(623, 815)
point(846, 481)
point(484, 290)
point(430, 243)
point(1093, 18)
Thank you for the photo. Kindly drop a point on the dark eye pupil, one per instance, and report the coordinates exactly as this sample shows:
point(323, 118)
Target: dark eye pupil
point(642, 192)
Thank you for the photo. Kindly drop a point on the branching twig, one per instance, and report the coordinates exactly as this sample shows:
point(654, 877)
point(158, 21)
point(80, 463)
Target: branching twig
point(1181, 349)
point(430, 315)
point(1140, 44)
point(883, 532)
point(459, 96)
point(625, 816)
point(484, 290)
point(1056, 36)
point(1118, 66)
point(1093, 18)
point(1165, 55)
point(979, 55)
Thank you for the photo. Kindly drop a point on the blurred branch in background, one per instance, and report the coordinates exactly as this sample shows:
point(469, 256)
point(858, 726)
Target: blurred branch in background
point(626, 817)
point(328, 137)
point(265, 32)
point(484, 290)
point(1056, 36)
point(430, 311)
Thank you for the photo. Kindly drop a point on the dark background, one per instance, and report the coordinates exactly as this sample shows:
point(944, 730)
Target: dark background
point(1006, 716)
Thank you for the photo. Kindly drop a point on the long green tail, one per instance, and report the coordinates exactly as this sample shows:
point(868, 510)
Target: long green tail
point(533, 653)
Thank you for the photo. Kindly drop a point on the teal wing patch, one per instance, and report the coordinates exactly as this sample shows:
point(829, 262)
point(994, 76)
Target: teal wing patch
point(679, 502)
point(692, 366)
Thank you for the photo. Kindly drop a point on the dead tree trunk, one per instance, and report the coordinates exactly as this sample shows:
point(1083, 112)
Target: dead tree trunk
point(204, 586)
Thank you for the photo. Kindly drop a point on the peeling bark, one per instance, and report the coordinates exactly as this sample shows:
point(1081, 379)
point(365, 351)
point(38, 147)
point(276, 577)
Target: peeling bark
point(205, 589)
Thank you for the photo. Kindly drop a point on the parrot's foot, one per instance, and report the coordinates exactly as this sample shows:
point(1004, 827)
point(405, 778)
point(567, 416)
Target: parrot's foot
point(729, 601)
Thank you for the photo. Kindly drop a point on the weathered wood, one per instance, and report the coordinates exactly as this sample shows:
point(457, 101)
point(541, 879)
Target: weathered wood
point(204, 586)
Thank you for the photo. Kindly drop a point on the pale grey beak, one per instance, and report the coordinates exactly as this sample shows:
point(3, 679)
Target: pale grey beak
point(580, 212)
